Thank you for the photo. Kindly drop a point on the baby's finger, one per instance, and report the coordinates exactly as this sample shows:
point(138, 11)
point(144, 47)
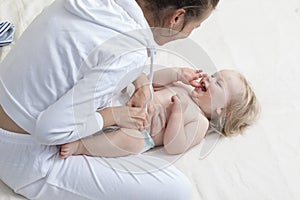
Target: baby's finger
point(196, 76)
point(203, 75)
point(195, 83)
point(175, 99)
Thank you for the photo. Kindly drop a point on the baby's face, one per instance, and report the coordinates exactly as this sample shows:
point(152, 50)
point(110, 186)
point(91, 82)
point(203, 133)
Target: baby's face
point(216, 91)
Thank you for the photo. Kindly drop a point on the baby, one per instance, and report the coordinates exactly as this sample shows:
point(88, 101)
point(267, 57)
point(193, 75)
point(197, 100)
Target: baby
point(193, 105)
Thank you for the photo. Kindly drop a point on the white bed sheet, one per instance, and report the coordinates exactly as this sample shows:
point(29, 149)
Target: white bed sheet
point(260, 39)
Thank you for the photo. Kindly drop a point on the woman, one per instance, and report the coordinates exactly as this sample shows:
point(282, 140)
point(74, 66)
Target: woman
point(57, 81)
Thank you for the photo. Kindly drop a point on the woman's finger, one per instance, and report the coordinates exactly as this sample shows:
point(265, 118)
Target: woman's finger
point(129, 102)
point(140, 126)
point(147, 125)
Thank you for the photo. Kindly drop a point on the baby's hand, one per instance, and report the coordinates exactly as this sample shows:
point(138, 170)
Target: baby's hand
point(190, 76)
point(179, 102)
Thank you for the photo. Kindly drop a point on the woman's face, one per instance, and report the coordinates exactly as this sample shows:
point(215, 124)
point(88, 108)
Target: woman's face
point(216, 91)
point(180, 31)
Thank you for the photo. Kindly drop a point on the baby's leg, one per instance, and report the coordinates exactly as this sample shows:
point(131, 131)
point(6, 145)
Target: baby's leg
point(72, 148)
point(118, 143)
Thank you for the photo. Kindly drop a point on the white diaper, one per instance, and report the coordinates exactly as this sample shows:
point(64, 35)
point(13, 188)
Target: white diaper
point(148, 141)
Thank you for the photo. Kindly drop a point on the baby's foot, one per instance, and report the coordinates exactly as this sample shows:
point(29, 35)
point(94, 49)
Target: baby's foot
point(69, 149)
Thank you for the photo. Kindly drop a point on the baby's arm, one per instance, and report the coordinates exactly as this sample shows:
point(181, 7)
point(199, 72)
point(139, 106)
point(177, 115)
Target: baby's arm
point(180, 135)
point(170, 75)
point(121, 142)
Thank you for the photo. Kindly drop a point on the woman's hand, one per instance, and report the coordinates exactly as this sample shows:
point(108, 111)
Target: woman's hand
point(158, 118)
point(141, 93)
point(139, 97)
point(130, 117)
point(126, 117)
point(190, 76)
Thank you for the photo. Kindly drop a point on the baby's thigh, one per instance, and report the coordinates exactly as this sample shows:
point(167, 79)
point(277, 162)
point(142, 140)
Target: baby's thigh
point(132, 140)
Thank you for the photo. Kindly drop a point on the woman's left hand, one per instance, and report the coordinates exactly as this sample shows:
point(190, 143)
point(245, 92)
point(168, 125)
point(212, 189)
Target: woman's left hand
point(158, 118)
point(126, 117)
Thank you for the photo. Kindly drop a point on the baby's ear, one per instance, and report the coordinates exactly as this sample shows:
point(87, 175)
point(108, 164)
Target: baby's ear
point(219, 111)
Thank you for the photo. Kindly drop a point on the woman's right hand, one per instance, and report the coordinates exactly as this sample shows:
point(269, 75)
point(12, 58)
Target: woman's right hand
point(139, 97)
point(126, 117)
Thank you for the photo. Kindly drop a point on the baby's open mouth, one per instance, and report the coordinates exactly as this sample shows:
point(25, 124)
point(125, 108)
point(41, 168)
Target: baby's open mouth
point(202, 86)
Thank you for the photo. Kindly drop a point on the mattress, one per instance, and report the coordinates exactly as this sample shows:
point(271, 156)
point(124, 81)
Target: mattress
point(261, 40)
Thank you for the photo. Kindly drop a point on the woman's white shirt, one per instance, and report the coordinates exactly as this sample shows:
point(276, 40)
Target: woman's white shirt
point(69, 62)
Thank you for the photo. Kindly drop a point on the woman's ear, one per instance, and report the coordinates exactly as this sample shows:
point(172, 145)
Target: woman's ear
point(177, 17)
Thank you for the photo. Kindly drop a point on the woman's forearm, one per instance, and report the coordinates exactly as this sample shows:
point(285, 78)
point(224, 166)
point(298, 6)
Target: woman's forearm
point(107, 116)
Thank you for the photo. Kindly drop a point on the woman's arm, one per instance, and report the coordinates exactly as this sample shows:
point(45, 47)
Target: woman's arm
point(180, 135)
point(73, 116)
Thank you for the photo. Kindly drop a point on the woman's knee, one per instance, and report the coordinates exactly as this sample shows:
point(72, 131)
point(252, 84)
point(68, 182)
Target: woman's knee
point(179, 188)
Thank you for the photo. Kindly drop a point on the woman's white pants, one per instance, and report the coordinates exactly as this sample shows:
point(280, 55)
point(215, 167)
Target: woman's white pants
point(36, 172)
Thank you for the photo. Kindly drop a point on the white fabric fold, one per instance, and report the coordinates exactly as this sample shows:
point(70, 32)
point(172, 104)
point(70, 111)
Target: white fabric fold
point(7, 31)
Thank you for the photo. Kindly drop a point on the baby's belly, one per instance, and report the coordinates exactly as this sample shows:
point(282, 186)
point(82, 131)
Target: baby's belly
point(158, 123)
point(157, 131)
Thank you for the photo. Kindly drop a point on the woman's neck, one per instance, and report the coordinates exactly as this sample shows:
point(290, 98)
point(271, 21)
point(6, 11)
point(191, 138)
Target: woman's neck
point(147, 14)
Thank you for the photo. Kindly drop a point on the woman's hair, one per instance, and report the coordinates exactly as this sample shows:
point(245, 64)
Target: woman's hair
point(241, 112)
point(194, 8)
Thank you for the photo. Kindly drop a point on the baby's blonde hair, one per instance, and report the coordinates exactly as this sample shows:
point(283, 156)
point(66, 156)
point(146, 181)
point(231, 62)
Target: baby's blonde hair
point(241, 112)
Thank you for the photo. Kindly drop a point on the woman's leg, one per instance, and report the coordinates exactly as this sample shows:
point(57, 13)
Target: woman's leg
point(121, 142)
point(36, 172)
point(132, 177)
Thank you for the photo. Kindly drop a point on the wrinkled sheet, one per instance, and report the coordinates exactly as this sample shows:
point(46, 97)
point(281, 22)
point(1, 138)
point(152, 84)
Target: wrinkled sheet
point(260, 39)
